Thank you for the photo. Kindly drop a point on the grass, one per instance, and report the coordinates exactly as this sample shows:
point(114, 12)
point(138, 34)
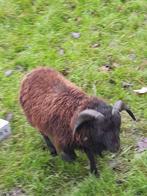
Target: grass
point(32, 33)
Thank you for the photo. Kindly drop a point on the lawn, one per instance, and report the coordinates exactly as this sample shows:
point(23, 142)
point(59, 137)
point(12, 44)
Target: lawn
point(100, 45)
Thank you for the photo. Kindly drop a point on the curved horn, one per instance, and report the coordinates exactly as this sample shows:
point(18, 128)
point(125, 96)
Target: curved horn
point(87, 115)
point(120, 106)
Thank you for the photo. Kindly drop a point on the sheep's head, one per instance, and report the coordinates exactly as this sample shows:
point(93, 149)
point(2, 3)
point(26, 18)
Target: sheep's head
point(103, 123)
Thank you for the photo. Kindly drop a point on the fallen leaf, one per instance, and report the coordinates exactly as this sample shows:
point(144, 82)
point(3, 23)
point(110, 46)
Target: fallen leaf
point(126, 84)
point(75, 35)
point(96, 45)
point(115, 65)
point(113, 44)
point(61, 51)
point(132, 57)
point(16, 192)
point(105, 68)
point(8, 73)
point(113, 164)
point(143, 90)
point(142, 145)
point(5, 130)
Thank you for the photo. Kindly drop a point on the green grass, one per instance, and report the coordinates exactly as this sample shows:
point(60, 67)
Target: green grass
point(32, 34)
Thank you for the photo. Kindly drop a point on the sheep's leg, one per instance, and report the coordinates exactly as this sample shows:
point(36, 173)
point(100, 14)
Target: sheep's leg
point(72, 154)
point(91, 158)
point(100, 154)
point(68, 155)
point(50, 145)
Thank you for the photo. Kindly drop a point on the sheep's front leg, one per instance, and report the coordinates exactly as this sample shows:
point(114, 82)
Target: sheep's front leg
point(68, 155)
point(100, 154)
point(91, 158)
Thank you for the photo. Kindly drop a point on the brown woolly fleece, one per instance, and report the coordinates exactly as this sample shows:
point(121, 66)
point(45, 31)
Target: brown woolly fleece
point(51, 104)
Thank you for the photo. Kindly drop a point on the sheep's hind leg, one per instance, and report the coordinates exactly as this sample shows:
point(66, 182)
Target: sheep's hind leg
point(50, 145)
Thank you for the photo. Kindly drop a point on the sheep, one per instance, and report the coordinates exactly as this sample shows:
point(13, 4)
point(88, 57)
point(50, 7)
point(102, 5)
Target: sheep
point(68, 118)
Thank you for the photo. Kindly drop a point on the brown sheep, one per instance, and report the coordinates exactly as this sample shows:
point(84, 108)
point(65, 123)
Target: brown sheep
point(68, 118)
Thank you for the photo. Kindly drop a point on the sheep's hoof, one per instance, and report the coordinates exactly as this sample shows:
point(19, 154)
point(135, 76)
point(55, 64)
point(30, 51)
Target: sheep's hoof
point(101, 155)
point(67, 157)
point(95, 173)
point(73, 155)
point(53, 153)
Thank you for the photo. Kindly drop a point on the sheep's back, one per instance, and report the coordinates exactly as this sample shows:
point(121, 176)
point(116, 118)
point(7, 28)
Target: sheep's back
point(49, 100)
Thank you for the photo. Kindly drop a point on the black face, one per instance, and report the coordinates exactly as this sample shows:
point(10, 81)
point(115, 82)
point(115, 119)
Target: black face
point(107, 132)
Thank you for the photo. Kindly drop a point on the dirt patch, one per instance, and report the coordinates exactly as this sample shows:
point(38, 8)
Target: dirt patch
point(15, 192)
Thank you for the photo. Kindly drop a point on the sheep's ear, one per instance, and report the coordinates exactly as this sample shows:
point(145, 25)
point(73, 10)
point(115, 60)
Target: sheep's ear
point(84, 116)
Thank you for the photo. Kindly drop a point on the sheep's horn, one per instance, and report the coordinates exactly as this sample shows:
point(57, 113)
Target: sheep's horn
point(87, 115)
point(120, 106)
